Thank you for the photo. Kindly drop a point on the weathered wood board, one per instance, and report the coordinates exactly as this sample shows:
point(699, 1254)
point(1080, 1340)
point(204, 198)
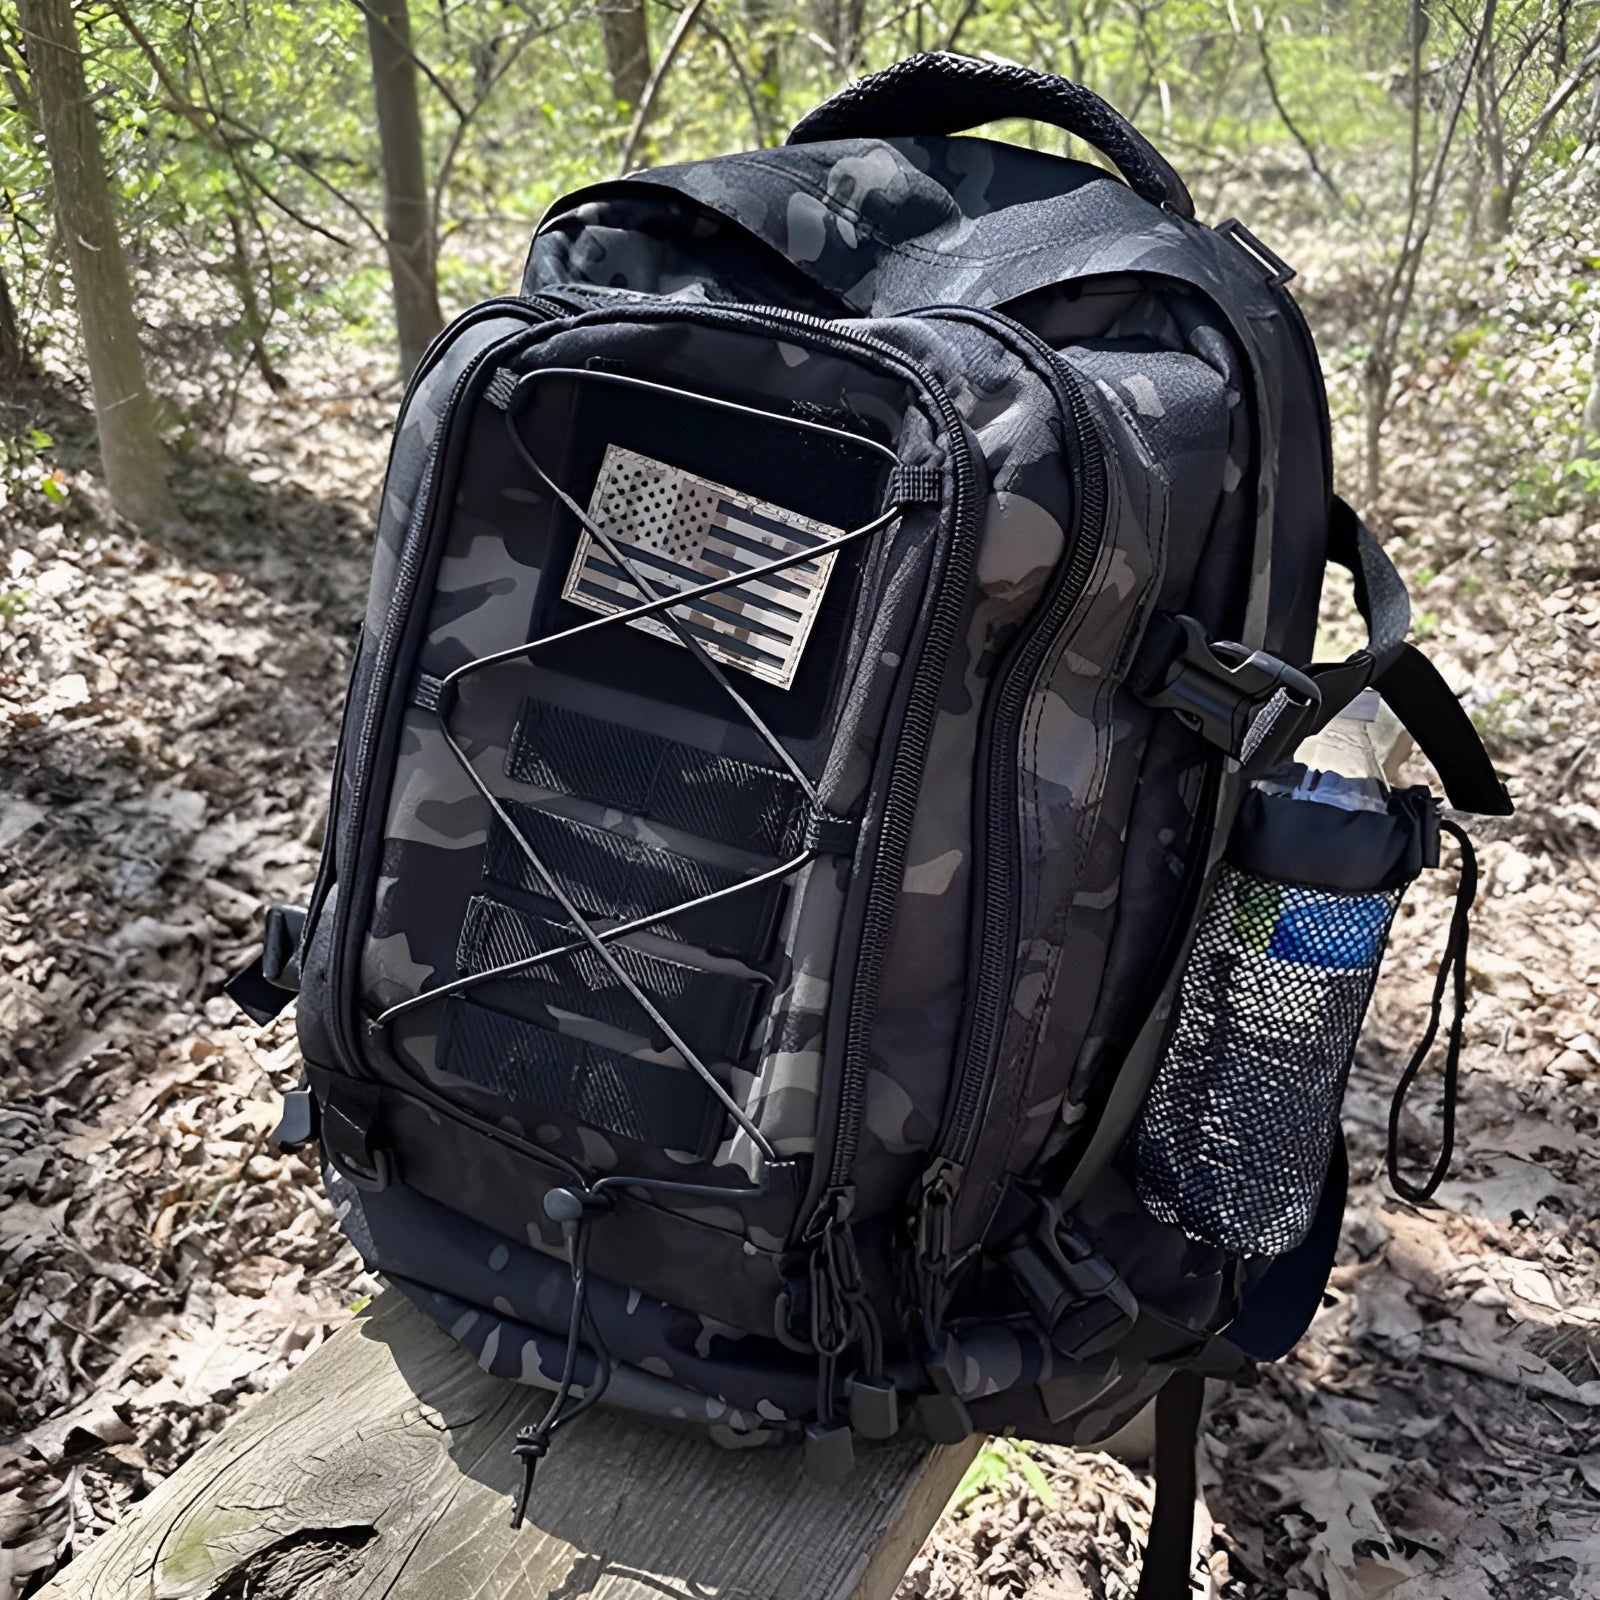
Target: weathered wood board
point(382, 1467)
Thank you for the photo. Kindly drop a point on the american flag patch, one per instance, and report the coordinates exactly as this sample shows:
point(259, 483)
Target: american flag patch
point(682, 531)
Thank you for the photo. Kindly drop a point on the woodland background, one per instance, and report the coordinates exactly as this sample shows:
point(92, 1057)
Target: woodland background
point(233, 225)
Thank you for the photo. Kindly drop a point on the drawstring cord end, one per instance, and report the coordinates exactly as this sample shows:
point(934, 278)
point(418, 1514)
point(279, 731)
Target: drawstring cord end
point(530, 1449)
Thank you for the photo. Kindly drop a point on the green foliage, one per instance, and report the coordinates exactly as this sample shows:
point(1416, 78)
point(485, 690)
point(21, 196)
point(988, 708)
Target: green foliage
point(994, 1472)
point(1503, 720)
point(26, 470)
point(241, 140)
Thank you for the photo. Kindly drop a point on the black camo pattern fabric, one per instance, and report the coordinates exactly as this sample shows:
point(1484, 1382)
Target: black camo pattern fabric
point(1110, 446)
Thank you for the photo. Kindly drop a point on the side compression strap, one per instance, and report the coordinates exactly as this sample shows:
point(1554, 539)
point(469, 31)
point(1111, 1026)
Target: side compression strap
point(1407, 680)
point(1381, 598)
point(1444, 732)
point(1164, 1574)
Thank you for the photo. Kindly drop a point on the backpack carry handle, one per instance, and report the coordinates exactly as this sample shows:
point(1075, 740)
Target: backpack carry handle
point(940, 92)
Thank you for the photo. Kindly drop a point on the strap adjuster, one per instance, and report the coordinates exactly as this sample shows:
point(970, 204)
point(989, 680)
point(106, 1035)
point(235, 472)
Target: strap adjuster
point(1246, 702)
point(1079, 1299)
point(266, 986)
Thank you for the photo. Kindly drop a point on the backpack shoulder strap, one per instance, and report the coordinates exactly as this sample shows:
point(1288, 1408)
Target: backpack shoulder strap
point(1164, 1574)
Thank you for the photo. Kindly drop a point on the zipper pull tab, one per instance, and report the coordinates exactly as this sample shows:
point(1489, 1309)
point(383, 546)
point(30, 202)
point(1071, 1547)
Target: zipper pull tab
point(842, 1317)
point(874, 1403)
point(930, 1243)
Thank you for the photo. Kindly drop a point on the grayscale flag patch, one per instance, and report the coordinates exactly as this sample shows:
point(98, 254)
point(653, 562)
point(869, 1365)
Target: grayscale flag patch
point(682, 531)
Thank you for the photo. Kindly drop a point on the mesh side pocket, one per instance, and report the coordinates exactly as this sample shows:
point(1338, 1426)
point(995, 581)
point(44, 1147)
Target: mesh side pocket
point(1234, 1141)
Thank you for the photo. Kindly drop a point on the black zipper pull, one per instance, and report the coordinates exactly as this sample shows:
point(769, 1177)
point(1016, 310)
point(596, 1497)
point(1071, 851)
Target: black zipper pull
point(941, 1415)
point(930, 1245)
point(829, 1449)
point(873, 1400)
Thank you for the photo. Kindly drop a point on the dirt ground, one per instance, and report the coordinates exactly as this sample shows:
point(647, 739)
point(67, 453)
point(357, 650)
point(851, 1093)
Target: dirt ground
point(167, 715)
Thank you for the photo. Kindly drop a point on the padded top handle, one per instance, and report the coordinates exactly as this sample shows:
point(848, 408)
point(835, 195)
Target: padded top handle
point(940, 92)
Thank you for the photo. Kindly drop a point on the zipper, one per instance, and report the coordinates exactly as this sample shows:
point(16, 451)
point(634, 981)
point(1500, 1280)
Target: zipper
point(327, 869)
point(998, 868)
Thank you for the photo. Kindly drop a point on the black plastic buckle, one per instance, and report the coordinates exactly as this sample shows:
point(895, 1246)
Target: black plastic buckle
point(1078, 1297)
point(1247, 702)
point(349, 1112)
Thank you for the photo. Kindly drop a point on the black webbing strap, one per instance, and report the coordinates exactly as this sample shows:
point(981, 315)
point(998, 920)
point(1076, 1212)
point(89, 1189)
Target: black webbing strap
point(1433, 716)
point(1380, 595)
point(712, 1010)
point(703, 792)
point(609, 874)
point(1407, 680)
point(660, 1105)
point(272, 980)
point(1164, 1574)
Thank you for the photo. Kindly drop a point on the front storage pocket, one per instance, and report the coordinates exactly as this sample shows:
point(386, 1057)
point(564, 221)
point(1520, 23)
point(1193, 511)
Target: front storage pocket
point(1234, 1141)
point(674, 573)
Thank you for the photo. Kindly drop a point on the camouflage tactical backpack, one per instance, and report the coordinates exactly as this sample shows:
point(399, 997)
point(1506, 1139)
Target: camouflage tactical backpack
point(795, 795)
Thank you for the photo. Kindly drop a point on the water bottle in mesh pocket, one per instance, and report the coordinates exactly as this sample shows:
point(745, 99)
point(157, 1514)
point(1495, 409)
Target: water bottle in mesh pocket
point(1234, 1140)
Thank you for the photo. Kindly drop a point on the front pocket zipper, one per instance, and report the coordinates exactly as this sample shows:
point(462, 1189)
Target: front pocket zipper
point(996, 869)
point(538, 312)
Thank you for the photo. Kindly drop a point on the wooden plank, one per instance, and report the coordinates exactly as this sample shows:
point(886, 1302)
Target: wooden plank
point(382, 1467)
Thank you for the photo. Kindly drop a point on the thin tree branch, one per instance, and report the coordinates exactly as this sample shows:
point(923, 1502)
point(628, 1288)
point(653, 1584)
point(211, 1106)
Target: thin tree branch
point(647, 101)
point(757, 118)
point(405, 49)
point(1573, 82)
point(963, 17)
point(205, 122)
point(1271, 79)
point(535, 29)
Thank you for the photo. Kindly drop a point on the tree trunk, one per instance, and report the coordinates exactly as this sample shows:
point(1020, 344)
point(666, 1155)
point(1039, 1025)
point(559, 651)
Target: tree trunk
point(769, 70)
point(14, 362)
point(407, 219)
point(124, 413)
point(1376, 380)
point(1492, 138)
point(627, 49)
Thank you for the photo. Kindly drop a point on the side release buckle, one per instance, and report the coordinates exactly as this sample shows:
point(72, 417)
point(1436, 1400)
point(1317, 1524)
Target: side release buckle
point(1246, 702)
point(1080, 1300)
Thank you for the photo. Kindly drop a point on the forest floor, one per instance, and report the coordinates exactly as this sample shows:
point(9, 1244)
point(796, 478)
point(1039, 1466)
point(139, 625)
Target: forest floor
point(167, 716)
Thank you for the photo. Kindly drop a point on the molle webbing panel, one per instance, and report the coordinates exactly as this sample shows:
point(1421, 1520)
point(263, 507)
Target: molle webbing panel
point(710, 1010)
point(607, 874)
point(660, 1105)
point(711, 796)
